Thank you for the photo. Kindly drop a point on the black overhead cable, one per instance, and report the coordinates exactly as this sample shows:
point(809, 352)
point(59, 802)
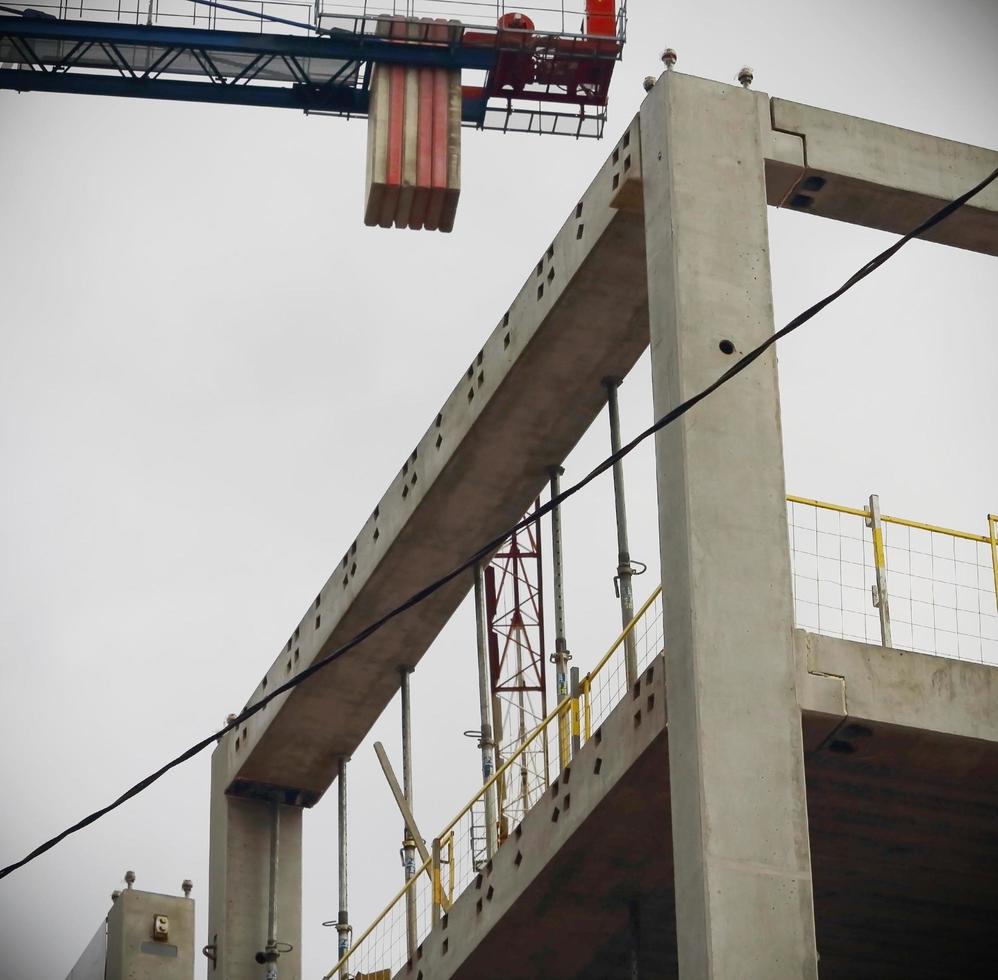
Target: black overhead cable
point(486, 549)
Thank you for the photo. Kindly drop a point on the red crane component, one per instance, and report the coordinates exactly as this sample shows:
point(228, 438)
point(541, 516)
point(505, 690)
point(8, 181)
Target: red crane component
point(553, 67)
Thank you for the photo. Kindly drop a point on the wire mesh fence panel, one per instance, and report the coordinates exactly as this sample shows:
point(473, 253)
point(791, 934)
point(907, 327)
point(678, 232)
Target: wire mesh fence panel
point(942, 593)
point(404, 923)
point(941, 584)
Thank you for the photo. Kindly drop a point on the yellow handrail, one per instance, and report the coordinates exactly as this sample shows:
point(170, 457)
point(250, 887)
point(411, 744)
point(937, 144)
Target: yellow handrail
point(902, 521)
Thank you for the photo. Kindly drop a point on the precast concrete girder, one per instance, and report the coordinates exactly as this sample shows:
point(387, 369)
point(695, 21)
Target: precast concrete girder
point(525, 400)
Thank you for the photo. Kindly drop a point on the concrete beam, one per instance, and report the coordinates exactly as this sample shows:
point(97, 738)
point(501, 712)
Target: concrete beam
point(846, 680)
point(739, 813)
point(525, 400)
point(868, 173)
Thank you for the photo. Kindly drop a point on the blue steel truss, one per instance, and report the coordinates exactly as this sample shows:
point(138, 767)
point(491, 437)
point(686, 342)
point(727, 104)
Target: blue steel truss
point(137, 49)
point(326, 73)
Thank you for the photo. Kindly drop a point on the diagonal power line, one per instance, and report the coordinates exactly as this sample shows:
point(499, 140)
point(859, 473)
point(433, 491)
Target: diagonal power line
point(486, 549)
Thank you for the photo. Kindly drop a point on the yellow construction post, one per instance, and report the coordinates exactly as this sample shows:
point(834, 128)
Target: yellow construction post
point(993, 535)
point(880, 599)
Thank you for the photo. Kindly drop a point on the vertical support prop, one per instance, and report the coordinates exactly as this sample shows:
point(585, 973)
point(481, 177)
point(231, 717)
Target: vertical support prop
point(343, 929)
point(486, 742)
point(270, 952)
point(561, 656)
point(408, 843)
point(625, 570)
point(880, 599)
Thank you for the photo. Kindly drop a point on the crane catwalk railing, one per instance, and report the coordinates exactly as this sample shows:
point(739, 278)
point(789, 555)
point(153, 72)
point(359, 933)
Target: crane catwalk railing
point(855, 573)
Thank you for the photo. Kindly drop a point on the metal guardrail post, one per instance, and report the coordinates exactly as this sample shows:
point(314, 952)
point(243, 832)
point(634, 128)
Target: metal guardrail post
point(993, 535)
point(625, 570)
point(561, 656)
point(436, 899)
point(880, 598)
point(485, 742)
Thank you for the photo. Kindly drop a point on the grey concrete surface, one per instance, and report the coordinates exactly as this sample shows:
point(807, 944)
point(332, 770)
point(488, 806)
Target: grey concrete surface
point(901, 826)
point(739, 816)
point(868, 173)
point(239, 879)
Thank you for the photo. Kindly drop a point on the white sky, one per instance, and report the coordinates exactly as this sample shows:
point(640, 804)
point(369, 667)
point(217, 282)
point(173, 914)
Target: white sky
point(210, 371)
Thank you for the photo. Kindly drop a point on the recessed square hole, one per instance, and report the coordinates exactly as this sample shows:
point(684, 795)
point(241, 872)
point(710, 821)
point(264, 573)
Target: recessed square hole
point(346, 558)
point(471, 394)
point(551, 251)
point(377, 510)
point(353, 569)
point(377, 533)
point(297, 631)
point(237, 743)
point(443, 921)
point(627, 139)
point(481, 378)
point(415, 453)
point(505, 341)
point(440, 419)
point(481, 354)
point(598, 736)
point(540, 267)
point(444, 947)
point(488, 867)
point(479, 905)
point(578, 210)
point(505, 319)
point(415, 477)
point(405, 491)
point(616, 156)
point(555, 813)
point(289, 646)
point(554, 790)
point(627, 164)
point(440, 440)
point(353, 548)
point(478, 880)
point(263, 684)
point(345, 580)
point(566, 775)
point(649, 674)
point(318, 621)
point(636, 691)
point(637, 718)
point(568, 801)
point(540, 291)
point(579, 232)
point(616, 181)
point(517, 860)
point(597, 766)
point(650, 703)
point(551, 274)
point(318, 598)
point(518, 833)
point(297, 653)
point(405, 468)
point(289, 667)
point(471, 371)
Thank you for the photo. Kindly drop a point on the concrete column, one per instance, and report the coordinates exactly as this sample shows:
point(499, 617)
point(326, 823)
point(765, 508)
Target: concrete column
point(739, 819)
point(239, 881)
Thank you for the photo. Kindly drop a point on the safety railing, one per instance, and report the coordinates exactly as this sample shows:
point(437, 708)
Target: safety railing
point(455, 858)
point(865, 576)
point(857, 574)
